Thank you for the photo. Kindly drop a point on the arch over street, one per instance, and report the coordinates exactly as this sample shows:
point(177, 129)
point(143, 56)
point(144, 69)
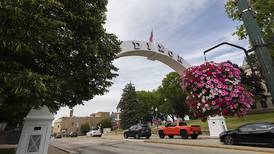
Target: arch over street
point(154, 51)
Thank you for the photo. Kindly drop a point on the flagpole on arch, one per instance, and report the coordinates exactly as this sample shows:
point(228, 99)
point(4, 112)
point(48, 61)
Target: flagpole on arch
point(151, 40)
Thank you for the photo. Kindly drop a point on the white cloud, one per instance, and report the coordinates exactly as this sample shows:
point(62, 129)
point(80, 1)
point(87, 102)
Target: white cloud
point(133, 19)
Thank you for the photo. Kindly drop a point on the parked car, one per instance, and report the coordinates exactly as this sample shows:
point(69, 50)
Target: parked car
point(73, 134)
point(172, 129)
point(254, 133)
point(94, 132)
point(137, 131)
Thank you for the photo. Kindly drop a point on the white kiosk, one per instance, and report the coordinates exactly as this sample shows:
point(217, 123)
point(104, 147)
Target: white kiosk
point(216, 125)
point(36, 132)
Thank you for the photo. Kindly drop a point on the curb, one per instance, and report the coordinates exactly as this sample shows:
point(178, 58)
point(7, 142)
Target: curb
point(64, 149)
point(134, 140)
point(216, 146)
point(208, 137)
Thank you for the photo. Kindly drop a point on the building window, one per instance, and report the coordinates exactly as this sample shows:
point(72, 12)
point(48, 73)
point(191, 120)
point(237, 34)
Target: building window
point(72, 123)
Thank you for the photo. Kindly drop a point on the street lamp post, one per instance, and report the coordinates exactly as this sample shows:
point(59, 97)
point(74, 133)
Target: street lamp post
point(156, 117)
point(257, 42)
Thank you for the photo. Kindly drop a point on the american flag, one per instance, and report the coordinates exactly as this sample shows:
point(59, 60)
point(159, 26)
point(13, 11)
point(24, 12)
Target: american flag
point(151, 37)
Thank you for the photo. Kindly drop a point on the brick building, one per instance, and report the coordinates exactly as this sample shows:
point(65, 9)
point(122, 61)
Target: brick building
point(73, 123)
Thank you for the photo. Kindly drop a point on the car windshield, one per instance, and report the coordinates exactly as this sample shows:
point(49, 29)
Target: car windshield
point(170, 125)
point(256, 126)
point(144, 126)
point(248, 127)
point(182, 124)
point(94, 128)
point(263, 126)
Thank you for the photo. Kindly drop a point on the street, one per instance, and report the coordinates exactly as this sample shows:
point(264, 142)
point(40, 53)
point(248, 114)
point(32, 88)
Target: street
point(108, 146)
point(148, 148)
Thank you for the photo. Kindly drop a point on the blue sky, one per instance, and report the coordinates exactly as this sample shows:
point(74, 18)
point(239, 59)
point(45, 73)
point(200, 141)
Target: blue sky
point(187, 27)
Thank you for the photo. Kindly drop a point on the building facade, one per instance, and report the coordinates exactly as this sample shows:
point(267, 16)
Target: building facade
point(264, 105)
point(115, 119)
point(73, 123)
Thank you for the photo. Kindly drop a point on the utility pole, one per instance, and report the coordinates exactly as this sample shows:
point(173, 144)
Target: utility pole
point(257, 42)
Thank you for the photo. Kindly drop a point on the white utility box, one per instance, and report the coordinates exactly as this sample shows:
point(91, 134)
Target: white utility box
point(216, 125)
point(36, 132)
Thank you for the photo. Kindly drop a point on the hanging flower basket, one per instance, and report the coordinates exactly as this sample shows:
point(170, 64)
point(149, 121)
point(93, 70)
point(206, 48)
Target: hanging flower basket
point(215, 89)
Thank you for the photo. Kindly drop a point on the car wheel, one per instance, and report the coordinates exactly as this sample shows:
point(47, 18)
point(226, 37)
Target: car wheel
point(229, 140)
point(137, 136)
point(147, 137)
point(170, 136)
point(195, 136)
point(161, 134)
point(125, 135)
point(183, 134)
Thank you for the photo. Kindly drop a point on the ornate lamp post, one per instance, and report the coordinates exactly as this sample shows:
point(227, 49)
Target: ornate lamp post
point(156, 117)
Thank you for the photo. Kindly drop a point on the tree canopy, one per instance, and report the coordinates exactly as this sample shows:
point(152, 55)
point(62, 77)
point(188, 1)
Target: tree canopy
point(84, 128)
point(144, 106)
point(264, 17)
point(149, 104)
point(129, 107)
point(54, 53)
point(105, 123)
point(172, 96)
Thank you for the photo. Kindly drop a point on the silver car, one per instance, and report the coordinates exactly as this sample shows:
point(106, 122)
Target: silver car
point(94, 132)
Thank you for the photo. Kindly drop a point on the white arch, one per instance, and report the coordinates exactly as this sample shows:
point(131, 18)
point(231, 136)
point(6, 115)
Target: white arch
point(154, 51)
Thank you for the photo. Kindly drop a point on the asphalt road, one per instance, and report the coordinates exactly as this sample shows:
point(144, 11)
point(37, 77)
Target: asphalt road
point(105, 146)
point(148, 148)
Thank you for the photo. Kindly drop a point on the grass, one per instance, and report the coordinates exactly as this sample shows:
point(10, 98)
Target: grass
point(7, 151)
point(235, 122)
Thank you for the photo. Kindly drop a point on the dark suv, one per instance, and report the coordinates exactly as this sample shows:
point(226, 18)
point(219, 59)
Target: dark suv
point(137, 131)
point(73, 134)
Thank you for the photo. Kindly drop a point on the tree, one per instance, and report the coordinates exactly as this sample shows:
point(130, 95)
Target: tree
point(105, 123)
point(264, 17)
point(129, 107)
point(149, 104)
point(84, 128)
point(172, 96)
point(54, 53)
point(253, 81)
